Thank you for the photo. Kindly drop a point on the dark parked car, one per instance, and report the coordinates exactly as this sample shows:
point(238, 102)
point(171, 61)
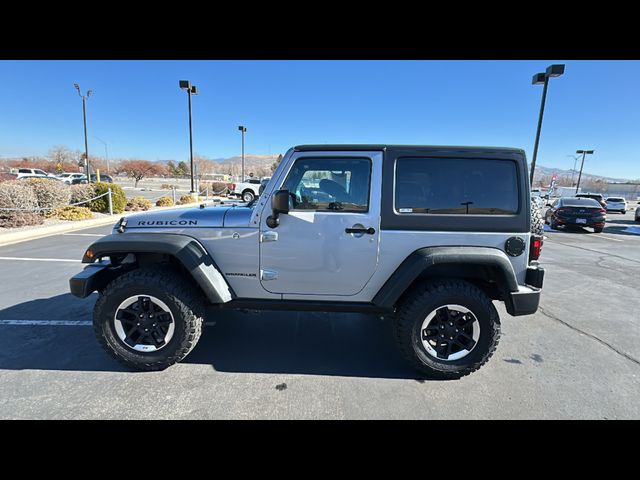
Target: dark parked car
point(103, 178)
point(596, 196)
point(576, 212)
point(94, 178)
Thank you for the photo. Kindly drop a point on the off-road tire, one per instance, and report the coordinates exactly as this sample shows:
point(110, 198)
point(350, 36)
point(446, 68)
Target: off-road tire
point(248, 196)
point(176, 291)
point(424, 298)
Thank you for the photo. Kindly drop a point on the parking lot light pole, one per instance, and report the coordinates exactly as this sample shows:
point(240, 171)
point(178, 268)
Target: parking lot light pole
point(243, 129)
point(584, 153)
point(84, 117)
point(106, 151)
point(543, 79)
point(575, 160)
point(191, 90)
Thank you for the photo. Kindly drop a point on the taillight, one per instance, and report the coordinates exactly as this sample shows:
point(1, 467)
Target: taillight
point(562, 210)
point(232, 186)
point(603, 211)
point(535, 247)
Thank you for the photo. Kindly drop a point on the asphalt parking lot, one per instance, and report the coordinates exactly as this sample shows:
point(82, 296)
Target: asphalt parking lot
point(577, 357)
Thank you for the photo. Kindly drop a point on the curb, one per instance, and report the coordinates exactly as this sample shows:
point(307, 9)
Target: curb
point(33, 234)
point(25, 235)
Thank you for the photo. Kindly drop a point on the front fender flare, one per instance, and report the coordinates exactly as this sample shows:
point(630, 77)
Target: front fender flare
point(187, 250)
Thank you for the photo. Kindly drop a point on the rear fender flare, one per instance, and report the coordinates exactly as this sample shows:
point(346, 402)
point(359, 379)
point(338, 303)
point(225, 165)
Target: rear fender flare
point(425, 259)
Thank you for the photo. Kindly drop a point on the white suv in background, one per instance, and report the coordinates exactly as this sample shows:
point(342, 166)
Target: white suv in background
point(30, 172)
point(68, 178)
point(616, 204)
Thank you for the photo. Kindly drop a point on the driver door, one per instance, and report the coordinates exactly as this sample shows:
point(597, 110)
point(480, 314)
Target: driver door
point(313, 251)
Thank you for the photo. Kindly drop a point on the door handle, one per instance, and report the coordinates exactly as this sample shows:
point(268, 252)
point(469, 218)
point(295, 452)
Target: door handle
point(368, 231)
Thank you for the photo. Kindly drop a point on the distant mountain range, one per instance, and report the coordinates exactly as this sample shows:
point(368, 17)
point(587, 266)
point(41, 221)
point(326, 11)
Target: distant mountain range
point(254, 161)
point(542, 171)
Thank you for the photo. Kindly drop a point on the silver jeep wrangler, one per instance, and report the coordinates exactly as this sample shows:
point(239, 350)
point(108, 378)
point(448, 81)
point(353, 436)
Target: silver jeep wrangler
point(428, 235)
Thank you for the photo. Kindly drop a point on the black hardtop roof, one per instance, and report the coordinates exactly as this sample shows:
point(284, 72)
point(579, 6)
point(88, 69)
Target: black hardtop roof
point(385, 147)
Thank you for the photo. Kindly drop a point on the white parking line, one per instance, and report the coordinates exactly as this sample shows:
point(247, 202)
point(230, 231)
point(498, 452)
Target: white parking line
point(42, 259)
point(67, 323)
point(74, 323)
point(605, 237)
point(83, 235)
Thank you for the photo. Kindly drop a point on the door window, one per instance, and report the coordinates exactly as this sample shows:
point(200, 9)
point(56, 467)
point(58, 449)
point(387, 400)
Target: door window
point(329, 184)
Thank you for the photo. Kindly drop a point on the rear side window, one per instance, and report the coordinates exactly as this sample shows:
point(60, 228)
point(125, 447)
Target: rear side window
point(458, 186)
point(615, 199)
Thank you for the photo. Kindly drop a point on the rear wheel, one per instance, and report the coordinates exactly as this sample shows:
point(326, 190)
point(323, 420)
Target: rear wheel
point(248, 196)
point(148, 319)
point(447, 329)
point(598, 230)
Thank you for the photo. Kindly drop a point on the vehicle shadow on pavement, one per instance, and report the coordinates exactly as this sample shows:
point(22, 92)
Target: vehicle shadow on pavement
point(306, 343)
point(52, 347)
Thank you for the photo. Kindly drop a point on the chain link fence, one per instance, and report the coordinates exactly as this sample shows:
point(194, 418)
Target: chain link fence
point(44, 209)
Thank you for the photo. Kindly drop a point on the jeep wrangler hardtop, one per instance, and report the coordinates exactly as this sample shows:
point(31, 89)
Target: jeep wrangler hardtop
point(427, 235)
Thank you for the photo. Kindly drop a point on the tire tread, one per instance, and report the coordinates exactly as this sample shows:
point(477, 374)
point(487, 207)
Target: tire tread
point(188, 302)
point(410, 308)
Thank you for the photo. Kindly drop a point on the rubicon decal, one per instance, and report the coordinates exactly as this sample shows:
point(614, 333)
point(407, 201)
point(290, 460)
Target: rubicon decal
point(150, 223)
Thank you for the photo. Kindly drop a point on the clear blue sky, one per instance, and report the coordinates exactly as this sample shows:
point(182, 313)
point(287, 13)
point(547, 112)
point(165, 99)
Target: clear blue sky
point(139, 110)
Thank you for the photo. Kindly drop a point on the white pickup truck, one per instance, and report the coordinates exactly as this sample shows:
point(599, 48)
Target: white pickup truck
point(249, 189)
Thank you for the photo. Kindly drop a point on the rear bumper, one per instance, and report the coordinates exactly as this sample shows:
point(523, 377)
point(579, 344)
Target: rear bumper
point(526, 300)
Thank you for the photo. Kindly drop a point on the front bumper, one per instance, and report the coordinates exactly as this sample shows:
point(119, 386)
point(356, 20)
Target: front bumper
point(92, 278)
point(526, 300)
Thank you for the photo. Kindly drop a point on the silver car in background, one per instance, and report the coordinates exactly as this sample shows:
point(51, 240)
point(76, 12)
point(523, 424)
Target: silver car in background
point(616, 204)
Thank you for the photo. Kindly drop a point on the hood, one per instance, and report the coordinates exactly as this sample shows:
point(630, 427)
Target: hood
point(192, 217)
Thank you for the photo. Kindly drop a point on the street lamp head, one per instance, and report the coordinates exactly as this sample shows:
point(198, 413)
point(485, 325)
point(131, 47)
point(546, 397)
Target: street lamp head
point(579, 151)
point(538, 79)
point(77, 87)
point(194, 90)
point(185, 84)
point(242, 128)
point(89, 93)
point(587, 152)
point(555, 70)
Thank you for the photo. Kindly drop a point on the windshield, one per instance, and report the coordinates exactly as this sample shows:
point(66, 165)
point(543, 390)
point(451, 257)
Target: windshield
point(580, 202)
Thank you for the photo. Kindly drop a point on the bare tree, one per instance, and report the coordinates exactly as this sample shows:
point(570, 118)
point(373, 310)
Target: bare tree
point(139, 169)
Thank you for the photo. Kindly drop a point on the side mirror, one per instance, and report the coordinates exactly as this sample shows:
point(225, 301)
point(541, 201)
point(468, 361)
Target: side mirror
point(279, 204)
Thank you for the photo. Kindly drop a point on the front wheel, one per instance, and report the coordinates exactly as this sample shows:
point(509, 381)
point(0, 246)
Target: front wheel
point(447, 329)
point(248, 196)
point(148, 319)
